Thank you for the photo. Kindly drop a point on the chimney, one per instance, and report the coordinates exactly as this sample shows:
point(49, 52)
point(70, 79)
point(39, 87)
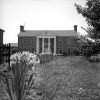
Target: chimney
point(21, 28)
point(75, 28)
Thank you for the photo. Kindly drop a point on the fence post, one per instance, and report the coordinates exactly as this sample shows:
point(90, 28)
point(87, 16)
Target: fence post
point(0, 55)
point(9, 55)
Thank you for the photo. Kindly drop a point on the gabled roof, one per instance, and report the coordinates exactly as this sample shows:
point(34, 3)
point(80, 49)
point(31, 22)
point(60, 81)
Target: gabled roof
point(2, 30)
point(32, 33)
point(14, 44)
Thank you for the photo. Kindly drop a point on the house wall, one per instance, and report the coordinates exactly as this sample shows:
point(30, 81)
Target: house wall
point(66, 45)
point(27, 44)
point(63, 44)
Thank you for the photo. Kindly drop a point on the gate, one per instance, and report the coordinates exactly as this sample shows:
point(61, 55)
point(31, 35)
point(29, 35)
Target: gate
point(5, 53)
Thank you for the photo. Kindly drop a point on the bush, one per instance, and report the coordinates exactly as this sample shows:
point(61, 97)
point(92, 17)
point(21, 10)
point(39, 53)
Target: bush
point(46, 57)
point(21, 75)
point(89, 49)
point(95, 58)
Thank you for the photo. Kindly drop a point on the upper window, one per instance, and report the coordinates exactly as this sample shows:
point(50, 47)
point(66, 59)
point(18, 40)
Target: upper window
point(25, 41)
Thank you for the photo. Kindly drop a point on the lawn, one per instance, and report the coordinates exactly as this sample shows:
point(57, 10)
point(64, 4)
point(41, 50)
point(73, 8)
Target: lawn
point(70, 78)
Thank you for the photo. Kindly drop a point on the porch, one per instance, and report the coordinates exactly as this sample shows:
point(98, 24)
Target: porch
point(46, 44)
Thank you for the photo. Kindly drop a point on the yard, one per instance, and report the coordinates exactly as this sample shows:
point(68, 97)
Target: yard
point(69, 78)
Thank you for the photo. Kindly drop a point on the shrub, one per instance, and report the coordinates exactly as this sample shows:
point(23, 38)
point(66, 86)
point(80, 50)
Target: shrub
point(95, 58)
point(89, 48)
point(46, 57)
point(21, 75)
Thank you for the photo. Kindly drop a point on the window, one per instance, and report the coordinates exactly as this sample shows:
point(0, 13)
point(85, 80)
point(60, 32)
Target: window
point(33, 50)
point(61, 50)
point(33, 40)
point(25, 41)
point(28, 41)
point(21, 41)
point(60, 41)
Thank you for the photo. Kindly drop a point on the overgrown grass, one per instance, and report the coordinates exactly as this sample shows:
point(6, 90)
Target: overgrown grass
point(71, 78)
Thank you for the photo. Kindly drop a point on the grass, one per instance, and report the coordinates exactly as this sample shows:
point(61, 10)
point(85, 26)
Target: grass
point(70, 78)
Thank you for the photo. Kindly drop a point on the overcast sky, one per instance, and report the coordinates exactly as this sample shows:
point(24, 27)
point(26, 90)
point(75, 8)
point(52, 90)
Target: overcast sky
point(38, 15)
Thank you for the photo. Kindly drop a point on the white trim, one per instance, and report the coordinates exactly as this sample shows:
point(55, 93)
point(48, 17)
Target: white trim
point(55, 45)
point(46, 36)
point(37, 45)
point(49, 45)
point(42, 45)
point(43, 37)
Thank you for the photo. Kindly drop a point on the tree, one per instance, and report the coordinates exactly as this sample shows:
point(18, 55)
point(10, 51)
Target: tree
point(91, 12)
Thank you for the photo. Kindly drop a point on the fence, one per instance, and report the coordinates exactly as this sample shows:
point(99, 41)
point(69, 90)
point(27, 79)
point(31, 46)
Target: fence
point(5, 53)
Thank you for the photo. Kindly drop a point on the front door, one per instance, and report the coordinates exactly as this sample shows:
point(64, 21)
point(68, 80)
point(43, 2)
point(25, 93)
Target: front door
point(45, 45)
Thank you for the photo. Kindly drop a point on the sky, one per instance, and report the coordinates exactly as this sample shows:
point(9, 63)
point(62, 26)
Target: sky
point(38, 15)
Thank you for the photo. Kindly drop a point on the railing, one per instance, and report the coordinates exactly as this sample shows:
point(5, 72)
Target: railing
point(5, 53)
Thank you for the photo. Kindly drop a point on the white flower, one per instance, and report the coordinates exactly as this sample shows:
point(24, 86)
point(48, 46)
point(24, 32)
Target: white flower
point(30, 58)
point(33, 68)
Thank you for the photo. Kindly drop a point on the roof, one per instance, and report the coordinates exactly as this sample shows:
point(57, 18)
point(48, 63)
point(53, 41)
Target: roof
point(32, 33)
point(2, 30)
point(14, 44)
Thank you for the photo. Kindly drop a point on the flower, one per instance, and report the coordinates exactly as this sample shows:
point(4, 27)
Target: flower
point(29, 58)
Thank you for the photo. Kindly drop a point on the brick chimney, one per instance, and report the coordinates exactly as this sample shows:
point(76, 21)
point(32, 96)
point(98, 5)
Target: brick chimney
point(22, 28)
point(75, 28)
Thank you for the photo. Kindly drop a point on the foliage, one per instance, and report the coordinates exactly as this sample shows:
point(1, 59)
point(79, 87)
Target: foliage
point(46, 57)
point(91, 12)
point(21, 73)
point(95, 58)
point(89, 48)
point(71, 78)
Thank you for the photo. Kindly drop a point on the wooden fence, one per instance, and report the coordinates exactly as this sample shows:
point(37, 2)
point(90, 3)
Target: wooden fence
point(5, 53)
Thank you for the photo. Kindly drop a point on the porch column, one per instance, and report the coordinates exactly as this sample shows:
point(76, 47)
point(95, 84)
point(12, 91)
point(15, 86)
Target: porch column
point(49, 45)
point(55, 45)
point(37, 48)
point(42, 45)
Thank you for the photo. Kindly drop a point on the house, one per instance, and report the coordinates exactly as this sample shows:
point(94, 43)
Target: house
point(51, 41)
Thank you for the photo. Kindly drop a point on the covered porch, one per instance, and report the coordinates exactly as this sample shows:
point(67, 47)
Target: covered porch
point(46, 44)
